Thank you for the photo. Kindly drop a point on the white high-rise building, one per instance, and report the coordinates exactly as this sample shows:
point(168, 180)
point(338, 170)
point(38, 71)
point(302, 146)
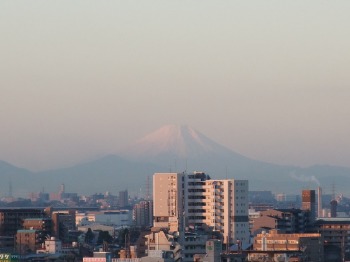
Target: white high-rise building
point(195, 200)
point(168, 191)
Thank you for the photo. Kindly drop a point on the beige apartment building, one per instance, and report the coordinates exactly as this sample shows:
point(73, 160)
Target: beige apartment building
point(168, 191)
point(194, 200)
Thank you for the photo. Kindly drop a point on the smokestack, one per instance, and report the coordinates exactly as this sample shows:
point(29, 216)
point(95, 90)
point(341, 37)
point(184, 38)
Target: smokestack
point(319, 202)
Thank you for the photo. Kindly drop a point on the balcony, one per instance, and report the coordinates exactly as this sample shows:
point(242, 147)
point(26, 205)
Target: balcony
point(195, 187)
point(196, 193)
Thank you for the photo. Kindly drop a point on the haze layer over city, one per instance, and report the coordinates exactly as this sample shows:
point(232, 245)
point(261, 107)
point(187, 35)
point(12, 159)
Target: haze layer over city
point(174, 131)
point(81, 80)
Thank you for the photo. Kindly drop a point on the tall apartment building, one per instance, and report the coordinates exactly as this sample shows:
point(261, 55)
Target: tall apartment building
point(143, 213)
point(123, 199)
point(227, 209)
point(195, 200)
point(168, 196)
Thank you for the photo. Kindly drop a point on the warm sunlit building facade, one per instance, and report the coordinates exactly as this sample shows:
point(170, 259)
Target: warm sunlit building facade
point(196, 200)
point(168, 191)
point(275, 246)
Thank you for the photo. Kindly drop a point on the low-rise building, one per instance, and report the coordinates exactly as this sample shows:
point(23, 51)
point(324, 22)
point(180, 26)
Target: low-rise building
point(158, 242)
point(6, 244)
point(98, 227)
point(110, 217)
point(336, 235)
point(11, 219)
point(213, 250)
point(193, 244)
point(53, 248)
point(274, 245)
point(28, 241)
point(285, 220)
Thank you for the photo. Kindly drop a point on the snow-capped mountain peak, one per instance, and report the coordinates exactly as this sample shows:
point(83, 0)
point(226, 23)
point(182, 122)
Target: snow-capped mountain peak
point(180, 141)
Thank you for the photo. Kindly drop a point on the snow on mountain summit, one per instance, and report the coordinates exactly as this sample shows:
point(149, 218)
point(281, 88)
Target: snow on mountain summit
point(180, 141)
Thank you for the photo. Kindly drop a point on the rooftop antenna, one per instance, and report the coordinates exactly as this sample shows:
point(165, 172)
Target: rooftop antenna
point(226, 172)
point(10, 188)
point(147, 189)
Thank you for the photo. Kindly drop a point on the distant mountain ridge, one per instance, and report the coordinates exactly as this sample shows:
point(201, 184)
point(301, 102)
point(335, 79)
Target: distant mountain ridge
point(181, 144)
point(171, 149)
point(13, 179)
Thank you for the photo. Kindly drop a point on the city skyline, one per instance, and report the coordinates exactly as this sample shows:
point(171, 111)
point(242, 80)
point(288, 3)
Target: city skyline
point(81, 80)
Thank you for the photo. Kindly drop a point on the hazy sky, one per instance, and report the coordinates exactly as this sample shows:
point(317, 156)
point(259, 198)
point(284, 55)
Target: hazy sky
point(268, 79)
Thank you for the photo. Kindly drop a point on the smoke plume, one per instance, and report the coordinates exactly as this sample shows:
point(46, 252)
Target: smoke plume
point(303, 178)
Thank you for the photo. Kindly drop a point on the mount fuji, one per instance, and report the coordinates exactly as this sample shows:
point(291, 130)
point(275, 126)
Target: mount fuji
point(172, 142)
point(172, 149)
point(181, 148)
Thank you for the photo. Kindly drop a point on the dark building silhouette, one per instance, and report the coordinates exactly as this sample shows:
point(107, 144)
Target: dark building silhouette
point(336, 235)
point(143, 213)
point(334, 206)
point(285, 220)
point(123, 199)
point(11, 219)
point(62, 223)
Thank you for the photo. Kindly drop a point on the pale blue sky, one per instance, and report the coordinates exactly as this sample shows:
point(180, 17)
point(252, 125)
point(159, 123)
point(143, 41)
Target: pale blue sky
point(268, 79)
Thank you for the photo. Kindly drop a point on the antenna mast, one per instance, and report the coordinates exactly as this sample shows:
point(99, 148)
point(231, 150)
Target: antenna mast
point(10, 188)
point(148, 189)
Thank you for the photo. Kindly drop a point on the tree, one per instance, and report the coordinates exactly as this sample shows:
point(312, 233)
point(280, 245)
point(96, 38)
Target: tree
point(104, 236)
point(123, 236)
point(89, 236)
